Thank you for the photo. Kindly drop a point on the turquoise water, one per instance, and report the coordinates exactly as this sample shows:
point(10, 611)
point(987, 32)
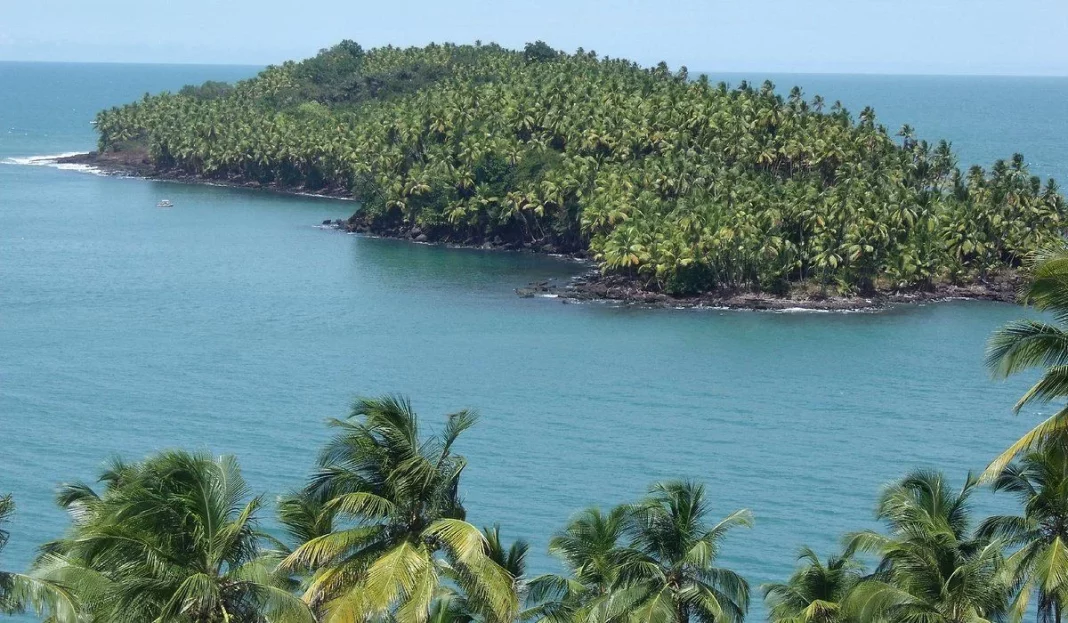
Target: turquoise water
point(230, 323)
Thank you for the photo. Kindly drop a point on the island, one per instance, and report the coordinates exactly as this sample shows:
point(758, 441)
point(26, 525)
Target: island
point(680, 191)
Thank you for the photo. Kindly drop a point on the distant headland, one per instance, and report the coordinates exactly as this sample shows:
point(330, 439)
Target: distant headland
point(682, 192)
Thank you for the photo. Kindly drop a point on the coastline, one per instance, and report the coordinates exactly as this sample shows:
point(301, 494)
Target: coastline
point(594, 287)
point(591, 286)
point(138, 165)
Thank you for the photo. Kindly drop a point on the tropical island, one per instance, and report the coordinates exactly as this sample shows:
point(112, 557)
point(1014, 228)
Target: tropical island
point(678, 189)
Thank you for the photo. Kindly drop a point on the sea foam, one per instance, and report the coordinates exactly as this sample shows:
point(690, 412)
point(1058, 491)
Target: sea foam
point(53, 161)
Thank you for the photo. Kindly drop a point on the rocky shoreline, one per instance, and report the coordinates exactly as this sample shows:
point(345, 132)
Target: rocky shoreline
point(591, 286)
point(138, 164)
point(594, 286)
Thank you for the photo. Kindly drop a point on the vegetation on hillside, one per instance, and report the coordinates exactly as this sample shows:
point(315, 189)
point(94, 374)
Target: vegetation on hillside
point(681, 184)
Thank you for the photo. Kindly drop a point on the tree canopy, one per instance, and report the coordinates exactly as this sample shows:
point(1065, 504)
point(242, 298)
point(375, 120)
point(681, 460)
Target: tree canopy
point(681, 184)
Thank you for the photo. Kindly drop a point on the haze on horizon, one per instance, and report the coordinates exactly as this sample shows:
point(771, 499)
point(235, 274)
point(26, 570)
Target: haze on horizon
point(976, 37)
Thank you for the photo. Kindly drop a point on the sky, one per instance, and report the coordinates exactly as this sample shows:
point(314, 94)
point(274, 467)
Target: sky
point(980, 37)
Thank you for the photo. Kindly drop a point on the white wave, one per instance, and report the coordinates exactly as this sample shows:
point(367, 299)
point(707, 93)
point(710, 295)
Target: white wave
point(81, 168)
point(867, 309)
point(802, 310)
point(40, 161)
point(52, 160)
point(322, 196)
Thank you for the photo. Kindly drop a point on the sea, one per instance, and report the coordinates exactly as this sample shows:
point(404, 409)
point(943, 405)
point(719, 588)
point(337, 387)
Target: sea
point(232, 324)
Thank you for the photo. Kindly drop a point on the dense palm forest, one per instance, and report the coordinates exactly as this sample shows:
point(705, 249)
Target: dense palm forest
point(679, 184)
point(379, 533)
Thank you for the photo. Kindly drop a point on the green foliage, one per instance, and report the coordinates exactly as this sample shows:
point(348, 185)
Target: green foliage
point(397, 530)
point(539, 52)
point(172, 539)
point(683, 185)
point(210, 90)
point(1040, 532)
point(933, 566)
point(1028, 344)
point(7, 580)
point(816, 591)
point(379, 534)
point(666, 573)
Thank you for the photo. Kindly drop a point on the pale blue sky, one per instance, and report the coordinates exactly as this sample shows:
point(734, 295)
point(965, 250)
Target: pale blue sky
point(1028, 37)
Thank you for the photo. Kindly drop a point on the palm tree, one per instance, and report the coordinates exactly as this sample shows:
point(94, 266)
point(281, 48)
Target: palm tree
point(8, 603)
point(590, 548)
point(19, 591)
point(173, 538)
point(303, 517)
point(1040, 481)
point(462, 601)
point(676, 185)
point(932, 567)
point(405, 528)
point(1026, 344)
point(815, 592)
point(668, 573)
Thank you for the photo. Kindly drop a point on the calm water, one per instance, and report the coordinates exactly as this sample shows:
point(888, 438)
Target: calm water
point(229, 323)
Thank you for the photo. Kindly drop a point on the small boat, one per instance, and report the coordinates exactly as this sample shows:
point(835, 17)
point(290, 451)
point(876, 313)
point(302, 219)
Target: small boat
point(165, 203)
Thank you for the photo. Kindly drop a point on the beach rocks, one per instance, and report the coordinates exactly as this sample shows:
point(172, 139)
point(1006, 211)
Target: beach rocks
point(421, 238)
point(534, 289)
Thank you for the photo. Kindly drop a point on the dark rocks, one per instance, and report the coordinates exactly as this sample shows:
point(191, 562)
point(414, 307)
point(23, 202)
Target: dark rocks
point(597, 289)
point(621, 290)
point(534, 289)
point(548, 248)
point(421, 238)
point(327, 222)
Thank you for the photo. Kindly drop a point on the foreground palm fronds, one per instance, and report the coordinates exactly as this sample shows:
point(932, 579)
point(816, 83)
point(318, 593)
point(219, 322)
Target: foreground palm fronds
point(379, 534)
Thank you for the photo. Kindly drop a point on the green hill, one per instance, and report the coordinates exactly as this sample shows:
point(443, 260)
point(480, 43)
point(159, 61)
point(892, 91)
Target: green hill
point(683, 185)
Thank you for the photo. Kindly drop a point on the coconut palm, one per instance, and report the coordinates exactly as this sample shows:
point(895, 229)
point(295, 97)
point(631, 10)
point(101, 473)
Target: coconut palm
point(932, 567)
point(1040, 481)
point(591, 548)
point(462, 601)
point(303, 517)
point(399, 527)
point(8, 603)
point(653, 561)
point(1027, 344)
point(815, 592)
point(669, 572)
point(677, 185)
point(173, 538)
point(19, 591)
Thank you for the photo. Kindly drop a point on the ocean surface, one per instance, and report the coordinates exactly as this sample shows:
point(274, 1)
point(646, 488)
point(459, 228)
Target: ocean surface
point(231, 323)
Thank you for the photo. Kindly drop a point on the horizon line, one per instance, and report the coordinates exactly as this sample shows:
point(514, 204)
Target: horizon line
point(692, 72)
